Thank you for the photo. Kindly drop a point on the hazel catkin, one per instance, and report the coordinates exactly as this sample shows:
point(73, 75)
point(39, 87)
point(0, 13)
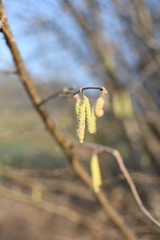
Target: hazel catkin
point(89, 117)
point(99, 107)
point(96, 173)
point(81, 120)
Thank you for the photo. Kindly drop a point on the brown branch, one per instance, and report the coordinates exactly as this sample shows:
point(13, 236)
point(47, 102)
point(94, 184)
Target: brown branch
point(103, 89)
point(136, 176)
point(61, 93)
point(68, 91)
point(116, 154)
point(55, 132)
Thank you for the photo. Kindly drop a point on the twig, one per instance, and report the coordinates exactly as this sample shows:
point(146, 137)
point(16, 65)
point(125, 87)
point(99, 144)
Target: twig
point(69, 91)
point(100, 149)
point(61, 93)
point(136, 176)
point(87, 88)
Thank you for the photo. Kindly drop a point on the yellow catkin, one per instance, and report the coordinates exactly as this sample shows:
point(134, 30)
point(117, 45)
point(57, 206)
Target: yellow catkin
point(89, 119)
point(99, 107)
point(95, 173)
point(81, 120)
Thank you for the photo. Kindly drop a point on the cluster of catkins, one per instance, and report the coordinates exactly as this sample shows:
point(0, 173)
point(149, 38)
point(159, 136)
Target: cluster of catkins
point(87, 114)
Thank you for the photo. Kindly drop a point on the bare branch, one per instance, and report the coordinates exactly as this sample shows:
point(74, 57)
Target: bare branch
point(100, 149)
point(103, 89)
point(69, 91)
point(136, 176)
point(62, 93)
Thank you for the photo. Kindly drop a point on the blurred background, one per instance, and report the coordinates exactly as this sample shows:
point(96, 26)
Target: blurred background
point(82, 43)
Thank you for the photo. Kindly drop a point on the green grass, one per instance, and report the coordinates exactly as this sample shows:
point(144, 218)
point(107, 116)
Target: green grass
point(27, 149)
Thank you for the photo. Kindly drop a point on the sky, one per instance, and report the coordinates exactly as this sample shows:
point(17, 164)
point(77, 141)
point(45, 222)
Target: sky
point(41, 62)
point(46, 55)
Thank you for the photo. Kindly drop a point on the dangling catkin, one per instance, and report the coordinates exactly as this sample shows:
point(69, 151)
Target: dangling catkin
point(89, 119)
point(81, 120)
point(99, 107)
point(96, 173)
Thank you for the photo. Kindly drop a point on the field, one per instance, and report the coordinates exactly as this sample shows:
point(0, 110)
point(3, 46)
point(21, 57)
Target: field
point(24, 143)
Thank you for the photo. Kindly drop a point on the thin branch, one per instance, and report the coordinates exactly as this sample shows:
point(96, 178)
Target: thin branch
point(100, 149)
point(136, 176)
point(133, 187)
point(103, 89)
point(68, 91)
point(61, 93)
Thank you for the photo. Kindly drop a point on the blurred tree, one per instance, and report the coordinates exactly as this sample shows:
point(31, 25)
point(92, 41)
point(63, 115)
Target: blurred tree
point(114, 43)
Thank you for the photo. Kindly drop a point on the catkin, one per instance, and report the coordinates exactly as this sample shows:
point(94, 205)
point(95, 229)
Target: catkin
point(89, 118)
point(81, 120)
point(96, 173)
point(99, 107)
point(84, 112)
